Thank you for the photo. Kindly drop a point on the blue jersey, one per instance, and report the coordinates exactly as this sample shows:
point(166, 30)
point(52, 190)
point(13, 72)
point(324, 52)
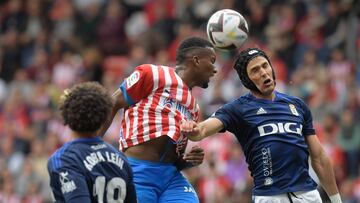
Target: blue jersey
point(272, 135)
point(90, 170)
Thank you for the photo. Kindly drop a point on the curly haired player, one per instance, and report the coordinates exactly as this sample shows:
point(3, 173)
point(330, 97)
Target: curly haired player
point(88, 169)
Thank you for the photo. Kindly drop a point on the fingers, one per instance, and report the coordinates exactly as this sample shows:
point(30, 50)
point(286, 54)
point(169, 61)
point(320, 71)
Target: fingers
point(194, 161)
point(188, 126)
point(195, 156)
point(196, 149)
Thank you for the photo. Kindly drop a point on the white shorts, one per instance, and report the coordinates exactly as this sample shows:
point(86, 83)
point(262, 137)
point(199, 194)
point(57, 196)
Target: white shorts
point(312, 196)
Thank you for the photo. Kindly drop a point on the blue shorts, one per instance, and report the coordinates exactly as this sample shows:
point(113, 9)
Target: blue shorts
point(157, 182)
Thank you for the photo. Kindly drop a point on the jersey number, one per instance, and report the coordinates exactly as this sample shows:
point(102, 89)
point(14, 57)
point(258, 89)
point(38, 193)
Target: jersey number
point(114, 184)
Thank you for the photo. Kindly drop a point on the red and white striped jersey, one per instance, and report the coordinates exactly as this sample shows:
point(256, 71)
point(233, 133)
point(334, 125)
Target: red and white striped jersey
point(158, 100)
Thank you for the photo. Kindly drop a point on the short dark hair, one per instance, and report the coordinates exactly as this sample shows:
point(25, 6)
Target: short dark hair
point(188, 45)
point(85, 107)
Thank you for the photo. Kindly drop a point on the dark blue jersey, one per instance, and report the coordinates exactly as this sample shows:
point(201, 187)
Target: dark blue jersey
point(90, 170)
point(272, 135)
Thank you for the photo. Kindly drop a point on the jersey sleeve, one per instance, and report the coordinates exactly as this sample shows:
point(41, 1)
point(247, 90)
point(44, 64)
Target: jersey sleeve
point(225, 115)
point(69, 185)
point(138, 85)
point(308, 128)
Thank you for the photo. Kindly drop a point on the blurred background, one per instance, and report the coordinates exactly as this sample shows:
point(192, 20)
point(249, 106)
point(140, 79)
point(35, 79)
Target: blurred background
point(49, 45)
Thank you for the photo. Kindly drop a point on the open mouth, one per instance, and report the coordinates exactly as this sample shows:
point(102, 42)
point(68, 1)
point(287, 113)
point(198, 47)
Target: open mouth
point(267, 81)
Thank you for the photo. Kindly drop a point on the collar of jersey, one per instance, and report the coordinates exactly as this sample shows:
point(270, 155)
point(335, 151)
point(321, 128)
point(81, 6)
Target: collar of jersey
point(252, 97)
point(92, 139)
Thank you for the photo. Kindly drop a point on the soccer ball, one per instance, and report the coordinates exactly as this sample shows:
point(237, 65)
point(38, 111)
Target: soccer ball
point(227, 29)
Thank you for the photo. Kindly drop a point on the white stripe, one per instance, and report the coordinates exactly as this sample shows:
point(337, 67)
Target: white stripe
point(155, 73)
point(134, 125)
point(158, 116)
point(168, 80)
point(172, 126)
point(158, 134)
point(158, 122)
point(188, 100)
point(147, 106)
point(145, 123)
point(179, 93)
point(127, 125)
point(171, 115)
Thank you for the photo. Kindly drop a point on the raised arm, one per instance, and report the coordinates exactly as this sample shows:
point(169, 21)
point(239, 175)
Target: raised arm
point(119, 103)
point(323, 168)
point(198, 131)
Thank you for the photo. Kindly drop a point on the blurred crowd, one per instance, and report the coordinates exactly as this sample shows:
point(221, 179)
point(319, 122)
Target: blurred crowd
point(47, 46)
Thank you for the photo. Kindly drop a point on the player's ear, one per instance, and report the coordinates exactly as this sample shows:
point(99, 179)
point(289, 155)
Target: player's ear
point(196, 60)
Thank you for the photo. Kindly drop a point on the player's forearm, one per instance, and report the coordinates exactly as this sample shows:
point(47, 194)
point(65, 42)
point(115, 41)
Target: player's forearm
point(197, 136)
point(324, 171)
point(207, 128)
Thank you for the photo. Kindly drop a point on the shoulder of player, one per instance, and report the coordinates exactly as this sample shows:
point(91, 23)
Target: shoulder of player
point(240, 101)
point(153, 66)
point(291, 99)
point(61, 157)
point(149, 67)
point(237, 103)
point(144, 66)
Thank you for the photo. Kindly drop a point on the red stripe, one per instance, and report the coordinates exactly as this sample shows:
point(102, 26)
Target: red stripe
point(129, 142)
point(131, 119)
point(173, 83)
point(192, 102)
point(184, 94)
point(140, 127)
point(178, 117)
point(165, 121)
point(121, 146)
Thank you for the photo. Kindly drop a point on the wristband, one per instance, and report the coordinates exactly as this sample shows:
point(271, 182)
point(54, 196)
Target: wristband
point(335, 198)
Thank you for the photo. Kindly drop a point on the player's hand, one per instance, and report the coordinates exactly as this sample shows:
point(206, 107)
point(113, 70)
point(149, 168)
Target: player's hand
point(189, 129)
point(195, 156)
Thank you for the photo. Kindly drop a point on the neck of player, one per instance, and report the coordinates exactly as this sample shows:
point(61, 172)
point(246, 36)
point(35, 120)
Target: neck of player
point(76, 134)
point(185, 75)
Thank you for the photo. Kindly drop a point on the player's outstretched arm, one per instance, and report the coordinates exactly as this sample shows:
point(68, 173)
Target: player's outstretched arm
point(198, 131)
point(323, 168)
point(119, 103)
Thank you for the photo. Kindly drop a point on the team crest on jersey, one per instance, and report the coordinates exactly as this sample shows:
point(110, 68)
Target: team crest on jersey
point(168, 102)
point(293, 110)
point(67, 185)
point(132, 79)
